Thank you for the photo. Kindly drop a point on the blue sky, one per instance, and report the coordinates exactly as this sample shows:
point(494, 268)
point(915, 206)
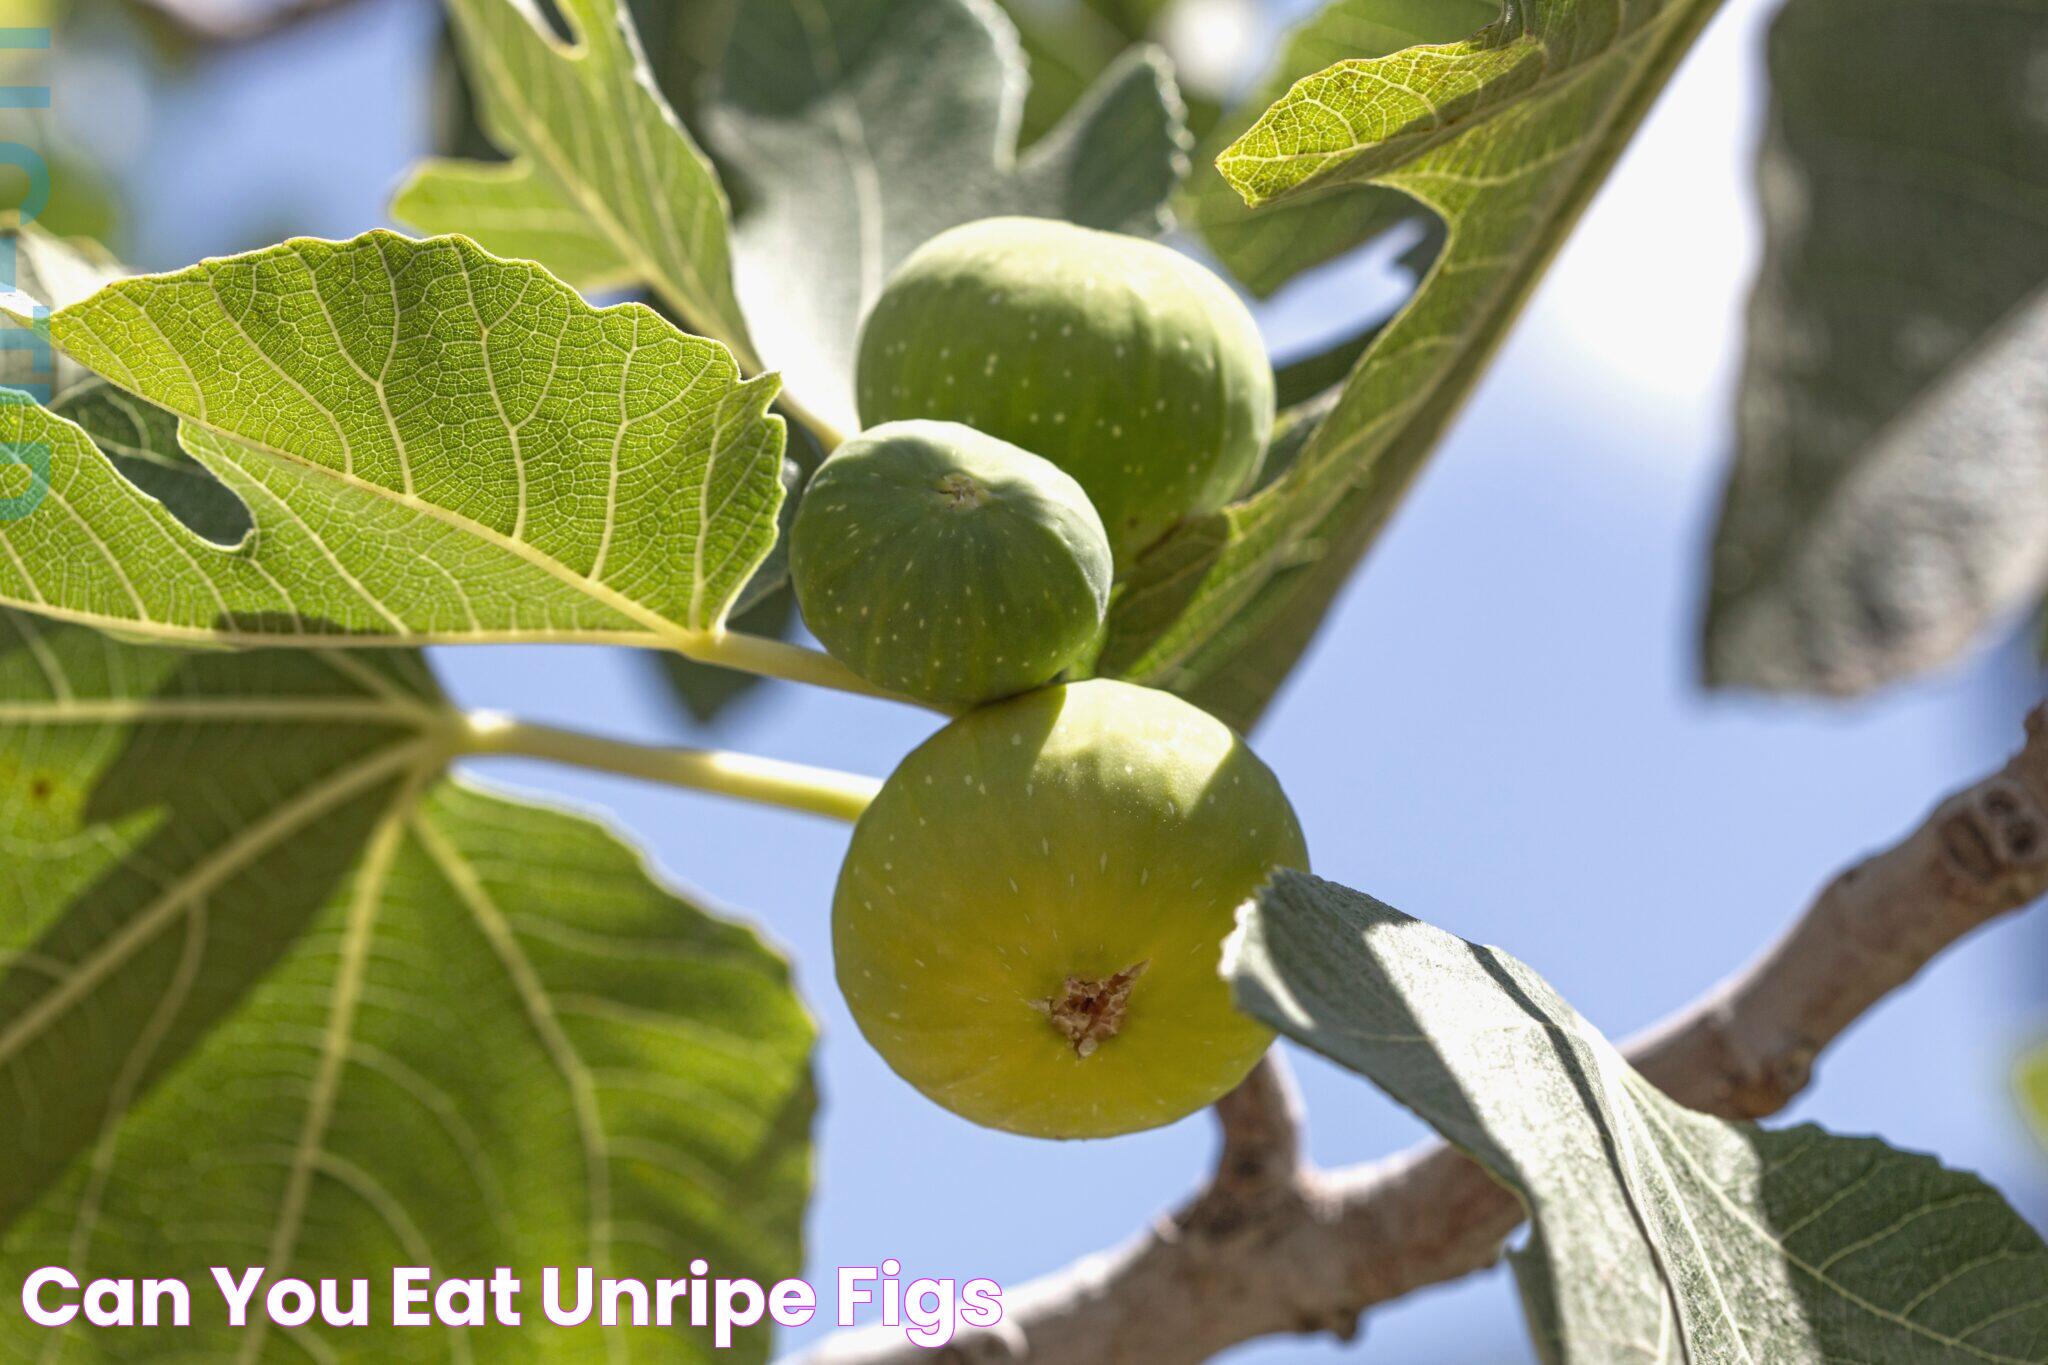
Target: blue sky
point(1500, 730)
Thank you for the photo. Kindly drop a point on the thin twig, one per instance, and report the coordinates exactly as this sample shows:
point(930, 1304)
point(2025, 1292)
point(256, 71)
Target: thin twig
point(1313, 1250)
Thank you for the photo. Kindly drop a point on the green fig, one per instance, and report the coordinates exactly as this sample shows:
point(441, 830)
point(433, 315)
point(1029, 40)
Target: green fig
point(1123, 362)
point(1029, 922)
point(947, 565)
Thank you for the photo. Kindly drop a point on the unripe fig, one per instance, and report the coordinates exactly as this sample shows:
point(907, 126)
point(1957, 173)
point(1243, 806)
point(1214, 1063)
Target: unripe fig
point(947, 565)
point(1029, 923)
point(1122, 361)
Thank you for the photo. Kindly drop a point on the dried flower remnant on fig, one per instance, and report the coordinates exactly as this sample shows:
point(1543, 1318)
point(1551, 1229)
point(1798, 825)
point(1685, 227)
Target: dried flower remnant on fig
point(1090, 1010)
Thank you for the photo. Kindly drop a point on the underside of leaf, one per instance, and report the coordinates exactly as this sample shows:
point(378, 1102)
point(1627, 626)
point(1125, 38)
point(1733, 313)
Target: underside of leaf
point(1887, 502)
point(1660, 1234)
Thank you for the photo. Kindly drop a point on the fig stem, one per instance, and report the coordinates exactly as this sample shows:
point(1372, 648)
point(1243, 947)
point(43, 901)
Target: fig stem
point(747, 653)
point(828, 437)
point(768, 781)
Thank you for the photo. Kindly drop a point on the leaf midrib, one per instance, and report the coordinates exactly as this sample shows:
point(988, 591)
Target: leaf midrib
point(546, 1023)
point(657, 625)
point(359, 933)
point(1676, 1142)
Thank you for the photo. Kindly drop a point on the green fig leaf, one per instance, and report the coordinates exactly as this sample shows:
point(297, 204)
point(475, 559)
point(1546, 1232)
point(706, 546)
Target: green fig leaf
point(603, 172)
point(1363, 116)
point(141, 438)
point(432, 445)
point(241, 1003)
point(860, 128)
point(1887, 501)
point(1241, 593)
point(682, 43)
point(1659, 1233)
point(1265, 248)
point(515, 209)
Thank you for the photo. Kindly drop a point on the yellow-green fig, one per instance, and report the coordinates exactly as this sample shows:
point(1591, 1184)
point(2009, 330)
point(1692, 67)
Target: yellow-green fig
point(1029, 923)
point(947, 565)
point(1122, 361)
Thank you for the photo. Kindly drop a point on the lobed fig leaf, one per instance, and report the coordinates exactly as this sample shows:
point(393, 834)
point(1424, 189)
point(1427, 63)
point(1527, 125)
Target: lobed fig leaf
point(947, 565)
point(1030, 919)
point(1122, 361)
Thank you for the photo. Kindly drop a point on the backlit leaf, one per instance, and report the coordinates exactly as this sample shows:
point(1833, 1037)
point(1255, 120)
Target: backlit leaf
point(1265, 248)
point(276, 991)
point(1369, 113)
point(1241, 593)
point(603, 173)
point(432, 444)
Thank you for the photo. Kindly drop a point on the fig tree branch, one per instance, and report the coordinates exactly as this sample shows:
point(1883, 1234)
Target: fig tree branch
point(1311, 1250)
point(1261, 1126)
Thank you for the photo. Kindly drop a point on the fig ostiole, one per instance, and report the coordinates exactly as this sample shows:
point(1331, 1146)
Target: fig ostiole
point(948, 565)
point(1029, 922)
point(1122, 361)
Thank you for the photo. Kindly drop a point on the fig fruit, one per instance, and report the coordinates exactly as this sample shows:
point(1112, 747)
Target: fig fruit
point(947, 565)
point(1029, 922)
point(1122, 361)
